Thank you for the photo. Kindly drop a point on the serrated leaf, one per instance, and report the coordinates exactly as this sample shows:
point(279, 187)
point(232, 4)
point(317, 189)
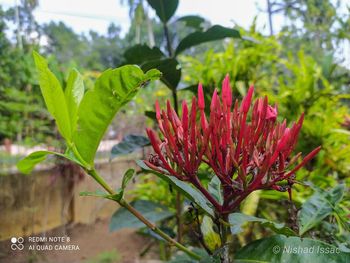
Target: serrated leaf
point(154, 212)
point(215, 32)
point(165, 9)
point(279, 249)
point(237, 221)
point(112, 90)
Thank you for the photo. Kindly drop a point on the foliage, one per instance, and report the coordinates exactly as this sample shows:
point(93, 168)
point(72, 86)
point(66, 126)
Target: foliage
point(238, 219)
point(297, 83)
point(93, 52)
point(299, 76)
point(322, 25)
point(290, 249)
point(153, 57)
point(112, 90)
point(154, 212)
point(21, 113)
point(319, 206)
point(106, 257)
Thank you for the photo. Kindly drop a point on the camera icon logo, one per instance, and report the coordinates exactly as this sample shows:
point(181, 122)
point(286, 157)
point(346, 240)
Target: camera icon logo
point(17, 243)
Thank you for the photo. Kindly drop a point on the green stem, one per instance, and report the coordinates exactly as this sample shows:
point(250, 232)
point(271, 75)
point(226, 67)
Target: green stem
point(136, 213)
point(224, 234)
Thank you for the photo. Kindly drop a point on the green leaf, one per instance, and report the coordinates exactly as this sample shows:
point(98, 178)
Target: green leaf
point(139, 54)
point(237, 221)
point(280, 249)
point(127, 177)
point(170, 68)
point(320, 205)
point(341, 131)
point(74, 93)
point(192, 88)
point(112, 90)
point(27, 164)
point(195, 22)
point(214, 189)
point(129, 144)
point(53, 96)
point(99, 193)
point(165, 9)
point(181, 257)
point(211, 238)
point(150, 114)
point(154, 212)
point(213, 33)
point(167, 230)
point(191, 193)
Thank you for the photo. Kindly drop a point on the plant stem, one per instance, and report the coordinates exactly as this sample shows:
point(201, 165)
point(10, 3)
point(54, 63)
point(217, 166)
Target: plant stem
point(167, 37)
point(122, 202)
point(224, 233)
point(195, 181)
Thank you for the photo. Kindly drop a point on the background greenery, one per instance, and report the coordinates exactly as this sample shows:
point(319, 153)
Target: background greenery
point(300, 69)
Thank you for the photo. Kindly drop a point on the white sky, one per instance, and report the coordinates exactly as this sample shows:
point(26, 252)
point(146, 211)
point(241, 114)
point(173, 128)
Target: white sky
point(85, 15)
point(96, 15)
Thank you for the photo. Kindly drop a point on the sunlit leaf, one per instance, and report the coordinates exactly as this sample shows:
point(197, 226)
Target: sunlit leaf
point(112, 90)
point(211, 238)
point(27, 164)
point(74, 93)
point(54, 97)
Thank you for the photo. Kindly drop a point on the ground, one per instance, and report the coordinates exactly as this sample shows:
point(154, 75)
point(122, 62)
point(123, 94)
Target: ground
point(96, 245)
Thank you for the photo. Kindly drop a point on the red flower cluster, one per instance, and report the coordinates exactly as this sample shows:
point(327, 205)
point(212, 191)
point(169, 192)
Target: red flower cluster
point(246, 151)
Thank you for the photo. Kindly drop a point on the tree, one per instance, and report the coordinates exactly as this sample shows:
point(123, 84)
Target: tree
point(316, 22)
point(21, 113)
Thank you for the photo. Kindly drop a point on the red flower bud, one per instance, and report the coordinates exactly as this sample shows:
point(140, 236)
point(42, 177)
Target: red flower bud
point(247, 150)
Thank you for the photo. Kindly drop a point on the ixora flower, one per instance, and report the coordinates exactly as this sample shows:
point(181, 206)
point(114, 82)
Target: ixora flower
point(246, 147)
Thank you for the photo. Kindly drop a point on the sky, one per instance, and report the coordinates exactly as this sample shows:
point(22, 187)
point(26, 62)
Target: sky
point(96, 15)
point(86, 15)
